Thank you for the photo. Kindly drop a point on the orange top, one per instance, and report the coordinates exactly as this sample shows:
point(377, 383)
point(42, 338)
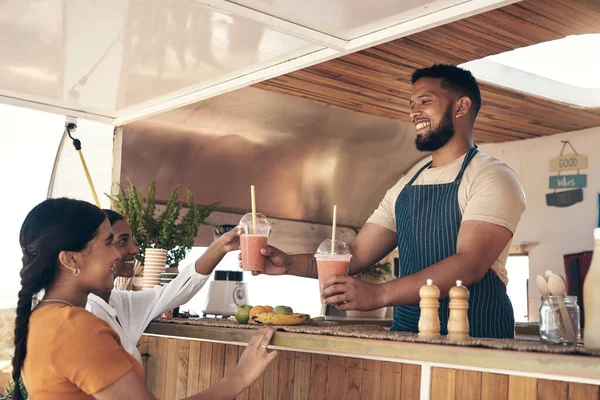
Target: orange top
point(72, 354)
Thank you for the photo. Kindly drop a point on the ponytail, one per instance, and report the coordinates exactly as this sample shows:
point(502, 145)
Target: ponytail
point(52, 226)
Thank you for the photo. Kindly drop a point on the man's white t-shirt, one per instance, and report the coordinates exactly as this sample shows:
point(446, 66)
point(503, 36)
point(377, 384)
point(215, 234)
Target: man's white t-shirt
point(490, 192)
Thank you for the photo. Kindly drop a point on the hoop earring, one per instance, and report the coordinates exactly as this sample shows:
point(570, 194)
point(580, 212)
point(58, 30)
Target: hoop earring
point(76, 271)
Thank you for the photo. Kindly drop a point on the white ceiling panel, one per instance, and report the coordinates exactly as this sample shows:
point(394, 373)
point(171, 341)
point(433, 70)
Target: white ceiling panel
point(122, 60)
point(110, 56)
point(347, 19)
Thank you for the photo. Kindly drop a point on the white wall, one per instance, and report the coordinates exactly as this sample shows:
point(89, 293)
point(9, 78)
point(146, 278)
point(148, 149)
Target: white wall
point(558, 231)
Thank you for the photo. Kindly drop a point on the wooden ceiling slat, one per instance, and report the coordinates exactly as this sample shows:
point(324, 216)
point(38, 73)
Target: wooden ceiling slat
point(557, 28)
point(503, 41)
point(534, 32)
point(561, 14)
point(585, 8)
point(376, 81)
point(372, 59)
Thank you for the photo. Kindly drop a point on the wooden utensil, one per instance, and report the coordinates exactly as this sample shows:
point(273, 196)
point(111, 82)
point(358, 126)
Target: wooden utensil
point(558, 288)
point(542, 285)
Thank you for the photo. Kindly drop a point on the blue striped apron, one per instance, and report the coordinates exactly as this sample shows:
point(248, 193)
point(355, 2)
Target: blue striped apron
point(427, 221)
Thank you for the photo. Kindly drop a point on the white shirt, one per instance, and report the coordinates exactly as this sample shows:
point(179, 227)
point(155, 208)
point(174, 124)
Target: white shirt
point(135, 310)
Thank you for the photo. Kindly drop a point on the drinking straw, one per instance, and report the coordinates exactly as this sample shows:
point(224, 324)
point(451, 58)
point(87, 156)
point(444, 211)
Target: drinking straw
point(333, 229)
point(253, 196)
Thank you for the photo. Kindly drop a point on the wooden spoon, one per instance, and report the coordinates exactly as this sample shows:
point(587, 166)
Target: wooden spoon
point(542, 286)
point(558, 288)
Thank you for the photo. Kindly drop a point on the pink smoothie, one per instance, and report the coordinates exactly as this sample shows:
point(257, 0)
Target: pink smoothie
point(250, 246)
point(328, 267)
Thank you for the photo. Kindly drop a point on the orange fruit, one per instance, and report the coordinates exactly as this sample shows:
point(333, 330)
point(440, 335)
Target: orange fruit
point(257, 310)
point(269, 308)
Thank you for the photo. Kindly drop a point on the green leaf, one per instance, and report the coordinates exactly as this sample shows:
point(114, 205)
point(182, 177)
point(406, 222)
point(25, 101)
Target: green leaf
point(167, 230)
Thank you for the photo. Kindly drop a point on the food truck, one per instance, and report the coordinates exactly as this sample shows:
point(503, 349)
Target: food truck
point(310, 103)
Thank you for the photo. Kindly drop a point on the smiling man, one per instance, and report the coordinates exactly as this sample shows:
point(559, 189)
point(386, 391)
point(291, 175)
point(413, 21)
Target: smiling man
point(453, 219)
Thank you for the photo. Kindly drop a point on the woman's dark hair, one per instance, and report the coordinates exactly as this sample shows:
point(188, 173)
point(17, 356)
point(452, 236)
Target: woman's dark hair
point(52, 226)
point(113, 216)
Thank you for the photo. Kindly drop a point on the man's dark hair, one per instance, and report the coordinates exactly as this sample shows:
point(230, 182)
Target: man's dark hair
point(454, 79)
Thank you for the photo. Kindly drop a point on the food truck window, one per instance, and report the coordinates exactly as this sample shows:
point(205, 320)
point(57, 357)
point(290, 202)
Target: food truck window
point(302, 294)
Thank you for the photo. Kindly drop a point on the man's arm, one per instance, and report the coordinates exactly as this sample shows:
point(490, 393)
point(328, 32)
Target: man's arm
point(478, 245)
point(372, 243)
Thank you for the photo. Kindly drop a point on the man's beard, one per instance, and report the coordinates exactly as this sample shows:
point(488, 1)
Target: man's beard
point(437, 138)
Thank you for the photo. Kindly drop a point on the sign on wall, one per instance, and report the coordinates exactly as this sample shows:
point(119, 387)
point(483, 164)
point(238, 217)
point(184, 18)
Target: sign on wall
point(573, 182)
point(568, 181)
point(564, 199)
point(570, 162)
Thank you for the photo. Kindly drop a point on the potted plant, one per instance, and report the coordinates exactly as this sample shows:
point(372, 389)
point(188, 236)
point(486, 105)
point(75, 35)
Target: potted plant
point(165, 231)
point(376, 274)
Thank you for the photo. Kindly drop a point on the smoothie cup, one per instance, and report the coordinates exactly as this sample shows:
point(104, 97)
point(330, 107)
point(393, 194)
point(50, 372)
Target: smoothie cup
point(330, 264)
point(254, 238)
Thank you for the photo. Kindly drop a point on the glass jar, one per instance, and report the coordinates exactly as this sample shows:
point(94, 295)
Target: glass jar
point(553, 326)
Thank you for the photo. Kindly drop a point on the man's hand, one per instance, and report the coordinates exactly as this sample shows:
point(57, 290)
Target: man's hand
point(276, 263)
point(348, 293)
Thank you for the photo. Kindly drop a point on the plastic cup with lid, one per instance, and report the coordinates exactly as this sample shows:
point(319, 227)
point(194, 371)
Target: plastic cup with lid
point(331, 263)
point(254, 237)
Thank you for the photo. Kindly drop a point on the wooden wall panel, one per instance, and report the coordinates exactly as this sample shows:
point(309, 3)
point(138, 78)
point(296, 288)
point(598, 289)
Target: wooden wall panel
point(371, 380)
point(319, 368)
point(552, 390)
point(376, 81)
point(391, 380)
point(468, 384)
point(494, 387)
point(194, 370)
point(411, 381)
point(302, 376)
point(179, 368)
point(286, 375)
point(464, 385)
point(522, 388)
point(580, 391)
point(443, 382)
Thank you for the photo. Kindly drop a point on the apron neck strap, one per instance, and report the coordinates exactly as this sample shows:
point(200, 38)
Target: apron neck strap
point(414, 178)
point(466, 162)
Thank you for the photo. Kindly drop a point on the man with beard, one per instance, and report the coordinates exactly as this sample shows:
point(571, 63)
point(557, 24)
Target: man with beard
point(452, 219)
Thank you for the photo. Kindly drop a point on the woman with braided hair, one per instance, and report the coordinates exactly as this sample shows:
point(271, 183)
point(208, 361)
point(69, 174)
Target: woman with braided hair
point(63, 351)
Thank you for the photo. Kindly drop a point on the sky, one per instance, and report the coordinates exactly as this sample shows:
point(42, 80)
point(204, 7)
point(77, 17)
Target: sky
point(28, 148)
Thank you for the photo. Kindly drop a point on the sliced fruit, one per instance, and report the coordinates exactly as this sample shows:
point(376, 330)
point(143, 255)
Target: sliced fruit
point(283, 310)
point(277, 319)
point(242, 314)
point(319, 318)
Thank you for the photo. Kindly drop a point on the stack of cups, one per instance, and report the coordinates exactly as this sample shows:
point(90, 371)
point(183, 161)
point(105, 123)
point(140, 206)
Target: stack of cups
point(167, 277)
point(332, 260)
point(155, 261)
point(254, 237)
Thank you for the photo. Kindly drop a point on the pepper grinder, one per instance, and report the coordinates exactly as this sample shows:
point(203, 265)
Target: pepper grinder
point(458, 322)
point(429, 321)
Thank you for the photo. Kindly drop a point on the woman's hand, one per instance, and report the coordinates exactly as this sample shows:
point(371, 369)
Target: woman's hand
point(256, 357)
point(230, 241)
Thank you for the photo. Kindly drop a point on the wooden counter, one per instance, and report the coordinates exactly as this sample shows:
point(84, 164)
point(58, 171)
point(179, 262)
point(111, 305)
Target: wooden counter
point(185, 359)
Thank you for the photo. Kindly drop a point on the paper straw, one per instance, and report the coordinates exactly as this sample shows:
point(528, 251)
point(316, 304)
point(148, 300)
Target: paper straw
point(253, 196)
point(333, 230)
